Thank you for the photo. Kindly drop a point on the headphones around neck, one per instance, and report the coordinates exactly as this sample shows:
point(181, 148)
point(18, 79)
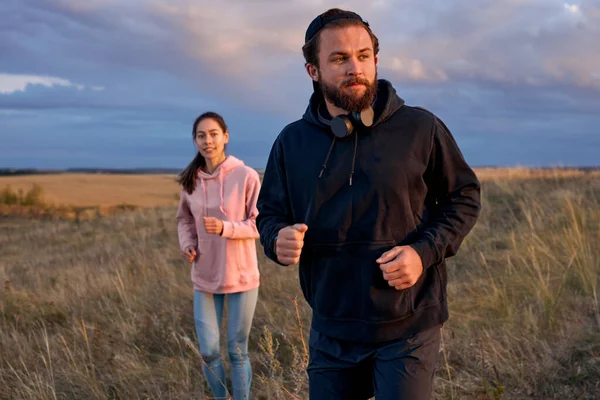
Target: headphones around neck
point(343, 125)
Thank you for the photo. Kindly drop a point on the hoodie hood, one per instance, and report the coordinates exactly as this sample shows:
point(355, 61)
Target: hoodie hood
point(387, 102)
point(219, 173)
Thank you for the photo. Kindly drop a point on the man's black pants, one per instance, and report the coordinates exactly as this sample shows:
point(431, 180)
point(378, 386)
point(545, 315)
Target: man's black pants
point(402, 369)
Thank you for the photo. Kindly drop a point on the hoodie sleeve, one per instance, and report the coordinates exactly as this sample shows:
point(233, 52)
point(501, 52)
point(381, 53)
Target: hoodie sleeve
point(186, 224)
point(246, 229)
point(455, 206)
point(274, 210)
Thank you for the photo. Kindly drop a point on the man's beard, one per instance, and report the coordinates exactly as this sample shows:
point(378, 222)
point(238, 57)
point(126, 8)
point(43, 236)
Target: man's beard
point(350, 102)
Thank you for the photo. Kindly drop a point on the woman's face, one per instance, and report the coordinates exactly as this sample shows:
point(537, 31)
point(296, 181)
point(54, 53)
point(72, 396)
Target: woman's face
point(210, 139)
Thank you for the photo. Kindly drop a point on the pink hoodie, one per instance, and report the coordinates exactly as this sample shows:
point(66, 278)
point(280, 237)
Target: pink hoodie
point(227, 263)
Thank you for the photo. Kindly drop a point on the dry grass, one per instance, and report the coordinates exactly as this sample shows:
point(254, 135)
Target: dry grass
point(86, 196)
point(88, 190)
point(102, 309)
point(519, 173)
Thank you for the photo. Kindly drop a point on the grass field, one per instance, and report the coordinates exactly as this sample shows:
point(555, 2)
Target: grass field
point(102, 308)
point(87, 190)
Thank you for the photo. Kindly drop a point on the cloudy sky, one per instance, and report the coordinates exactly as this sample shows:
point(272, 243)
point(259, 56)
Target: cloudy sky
point(118, 83)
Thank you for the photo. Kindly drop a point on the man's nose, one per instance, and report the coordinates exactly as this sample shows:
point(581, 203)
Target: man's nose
point(354, 66)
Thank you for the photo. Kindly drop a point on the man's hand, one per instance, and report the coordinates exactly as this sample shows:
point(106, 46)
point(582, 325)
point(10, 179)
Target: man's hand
point(401, 267)
point(189, 254)
point(213, 225)
point(289, 243)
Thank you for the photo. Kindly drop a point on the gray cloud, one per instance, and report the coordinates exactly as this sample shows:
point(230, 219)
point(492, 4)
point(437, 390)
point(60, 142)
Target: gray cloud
point(535, 43)
point(497, 71)
point(254, 48)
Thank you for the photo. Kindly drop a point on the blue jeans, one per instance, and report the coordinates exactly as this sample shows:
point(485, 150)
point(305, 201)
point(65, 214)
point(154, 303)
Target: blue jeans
point(208, 312)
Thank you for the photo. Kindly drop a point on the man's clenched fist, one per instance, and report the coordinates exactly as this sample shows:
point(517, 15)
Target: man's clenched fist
point(289, 243)
point(401, 267)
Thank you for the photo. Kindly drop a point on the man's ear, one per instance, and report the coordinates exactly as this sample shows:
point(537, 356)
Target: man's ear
point(313, 72)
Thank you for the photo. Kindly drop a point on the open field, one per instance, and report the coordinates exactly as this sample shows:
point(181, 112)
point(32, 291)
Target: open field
point(87, 190)
point(153, 190)
point(102, 308)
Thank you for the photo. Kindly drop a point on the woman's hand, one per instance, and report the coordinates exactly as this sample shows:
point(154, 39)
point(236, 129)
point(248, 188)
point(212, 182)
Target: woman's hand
point(190, 254)
point(213, 225)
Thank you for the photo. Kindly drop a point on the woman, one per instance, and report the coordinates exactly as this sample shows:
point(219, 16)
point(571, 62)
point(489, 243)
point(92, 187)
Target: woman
point(217, 232)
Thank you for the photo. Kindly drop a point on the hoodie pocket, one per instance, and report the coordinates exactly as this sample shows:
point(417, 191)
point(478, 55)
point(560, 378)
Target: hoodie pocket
point(345, 282)
point(429, 289)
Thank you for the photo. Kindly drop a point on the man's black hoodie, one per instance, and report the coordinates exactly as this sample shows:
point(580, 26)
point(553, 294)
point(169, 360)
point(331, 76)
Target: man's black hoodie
point(403, 181)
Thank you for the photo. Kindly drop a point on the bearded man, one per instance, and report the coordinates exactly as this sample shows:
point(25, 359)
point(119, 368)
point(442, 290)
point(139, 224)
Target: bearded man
point(369, 196)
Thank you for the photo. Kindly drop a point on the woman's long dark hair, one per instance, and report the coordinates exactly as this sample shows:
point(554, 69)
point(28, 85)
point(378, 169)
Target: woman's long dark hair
point(187, 178)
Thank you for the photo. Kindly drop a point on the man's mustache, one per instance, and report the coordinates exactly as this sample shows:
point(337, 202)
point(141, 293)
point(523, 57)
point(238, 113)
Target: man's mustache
point(356, 81)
